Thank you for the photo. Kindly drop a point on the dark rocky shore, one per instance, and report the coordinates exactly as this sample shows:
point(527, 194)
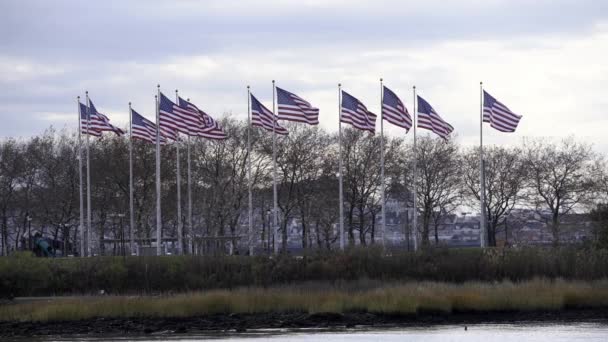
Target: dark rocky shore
point(236, 323)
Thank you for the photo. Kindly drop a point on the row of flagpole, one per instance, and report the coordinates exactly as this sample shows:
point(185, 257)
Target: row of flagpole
point(85, 235)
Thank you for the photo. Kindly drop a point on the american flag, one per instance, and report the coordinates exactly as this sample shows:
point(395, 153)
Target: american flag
point(498, 115)
point(84, 128)
point(175, 118)
point(394, 111)
point(356, 114)
point(105, 121)
point(262, 117)
point(429, 119)
point(211, 128)
point(144, 129)
point(98, 121)
point(294, 108)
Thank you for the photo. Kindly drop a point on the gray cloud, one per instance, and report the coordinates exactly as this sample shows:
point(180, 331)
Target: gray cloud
point(152, 30)
point(529, 52)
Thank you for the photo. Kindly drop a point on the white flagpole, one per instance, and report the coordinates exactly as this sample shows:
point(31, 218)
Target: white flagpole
point(88, 179)
point(180, 242)
point(190, 227)
point(189, 200)
point(482, 195)
point(250, 181)
point(275, 211)
point(158, 217)
point(340, 166)
point(415, 220)
point(131, 212)
point(81, 226)
point(382, 190)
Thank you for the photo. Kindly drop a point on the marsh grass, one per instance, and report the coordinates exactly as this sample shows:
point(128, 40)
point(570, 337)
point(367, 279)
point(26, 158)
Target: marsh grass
point(395, 298)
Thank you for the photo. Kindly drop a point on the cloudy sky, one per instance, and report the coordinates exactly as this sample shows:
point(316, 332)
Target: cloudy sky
point(547, 60)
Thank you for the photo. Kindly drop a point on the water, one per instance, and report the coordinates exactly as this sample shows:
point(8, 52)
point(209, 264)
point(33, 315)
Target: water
point(587, 332)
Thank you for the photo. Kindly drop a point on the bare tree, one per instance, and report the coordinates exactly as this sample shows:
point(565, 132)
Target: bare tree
point(299, 162)
point(505, 179)
point(560, 177)
point(438, 182)
point(318, 181)
point(11, 168)
point(56, 185)
point(220, 174)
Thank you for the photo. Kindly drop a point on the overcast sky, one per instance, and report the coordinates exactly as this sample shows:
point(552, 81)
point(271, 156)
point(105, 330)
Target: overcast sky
point(546, 60)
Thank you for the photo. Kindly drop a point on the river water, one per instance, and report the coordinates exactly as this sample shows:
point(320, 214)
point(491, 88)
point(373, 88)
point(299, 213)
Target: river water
point(587, 332)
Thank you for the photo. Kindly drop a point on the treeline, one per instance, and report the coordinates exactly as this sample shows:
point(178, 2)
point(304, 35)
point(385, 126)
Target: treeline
point(39, 184)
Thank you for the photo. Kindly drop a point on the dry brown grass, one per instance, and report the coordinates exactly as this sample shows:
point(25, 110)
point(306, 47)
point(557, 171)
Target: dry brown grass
point(400, 298)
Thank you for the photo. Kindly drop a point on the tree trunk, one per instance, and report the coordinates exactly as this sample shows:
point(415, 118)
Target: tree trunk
point(4, 233)
point(407, 231)
point(351, 233)
point(284, 236)
point(362, 227)
point(373, 229)
point(492, 232)
point(555, 225)
point(425, 229)
point(304, 235)
point(102, 234)
point(321, 237)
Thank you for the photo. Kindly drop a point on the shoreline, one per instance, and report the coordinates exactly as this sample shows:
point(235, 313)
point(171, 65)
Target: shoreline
point(241, 323)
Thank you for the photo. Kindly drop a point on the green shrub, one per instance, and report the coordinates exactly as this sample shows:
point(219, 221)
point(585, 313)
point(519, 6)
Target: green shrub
point(24, 275)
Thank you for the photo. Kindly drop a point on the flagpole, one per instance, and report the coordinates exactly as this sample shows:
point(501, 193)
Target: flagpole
point(189, 199)
point(382, 190)
point(190, 227)
point(81, 226)
point(250, 232)
point(275, 211)
point(158, 217)
point(415, 187)
point(180, 242)
point(340, 166)
point(482, 195)
point(131, 213)
point(88, 179)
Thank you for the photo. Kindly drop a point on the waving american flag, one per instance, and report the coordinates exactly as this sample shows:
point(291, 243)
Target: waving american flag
point(87, 126)
point(179, 119)
point(498, 115)
point(144, 129)
point(429, 119)
point(211, 129)
point(262, 117)
point(394, 111)
point(294, 108)
point(97, 122)
point(355, 113)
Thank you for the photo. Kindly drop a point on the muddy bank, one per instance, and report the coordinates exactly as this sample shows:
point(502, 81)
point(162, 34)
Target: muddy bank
point(243, 322)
